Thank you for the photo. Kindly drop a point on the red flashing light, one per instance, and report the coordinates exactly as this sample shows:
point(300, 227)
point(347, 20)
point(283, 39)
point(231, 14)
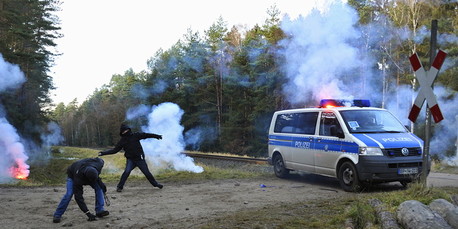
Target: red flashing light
point(330, 103)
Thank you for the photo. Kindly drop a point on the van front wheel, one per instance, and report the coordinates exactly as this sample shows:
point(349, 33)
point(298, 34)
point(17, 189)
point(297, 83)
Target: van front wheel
point(279, 167)
point(348, 177)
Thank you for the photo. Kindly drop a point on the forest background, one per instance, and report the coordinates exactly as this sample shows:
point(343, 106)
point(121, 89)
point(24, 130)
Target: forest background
point(229, 81)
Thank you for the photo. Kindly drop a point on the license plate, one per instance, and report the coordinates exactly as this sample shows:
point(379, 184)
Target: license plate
point(408, 171)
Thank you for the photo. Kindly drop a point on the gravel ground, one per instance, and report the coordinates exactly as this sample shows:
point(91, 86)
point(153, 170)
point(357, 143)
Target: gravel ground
point(188, 204)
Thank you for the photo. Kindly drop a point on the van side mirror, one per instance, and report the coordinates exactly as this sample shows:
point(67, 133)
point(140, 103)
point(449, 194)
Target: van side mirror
point(338, 132)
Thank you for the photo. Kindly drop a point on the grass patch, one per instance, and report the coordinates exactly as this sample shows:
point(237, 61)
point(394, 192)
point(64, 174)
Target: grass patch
point(362, 213)
point(415, 191)
point(220, 154)
point(54, 170)
point(73, 153)
point(209, 173)
point(329, 213)
point(170, 175)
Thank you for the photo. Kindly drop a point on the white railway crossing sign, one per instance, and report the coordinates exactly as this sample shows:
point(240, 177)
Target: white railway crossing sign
point(426, 80)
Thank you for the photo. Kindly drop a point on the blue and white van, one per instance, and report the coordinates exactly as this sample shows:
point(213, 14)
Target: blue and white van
point(357, 144)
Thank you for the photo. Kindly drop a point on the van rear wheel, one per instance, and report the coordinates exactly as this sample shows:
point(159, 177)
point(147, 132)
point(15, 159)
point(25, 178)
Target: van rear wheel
point(279, 167)
point(348, 177)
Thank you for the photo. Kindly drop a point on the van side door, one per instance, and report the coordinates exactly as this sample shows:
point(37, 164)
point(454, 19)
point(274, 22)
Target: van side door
point(328, 145)
point(304, 142)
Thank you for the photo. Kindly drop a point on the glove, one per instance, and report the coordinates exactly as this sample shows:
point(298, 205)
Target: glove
point(159, 137)
point(100, 153)
point(90, 216)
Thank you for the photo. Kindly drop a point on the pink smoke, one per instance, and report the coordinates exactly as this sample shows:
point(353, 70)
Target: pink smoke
point(12, 151)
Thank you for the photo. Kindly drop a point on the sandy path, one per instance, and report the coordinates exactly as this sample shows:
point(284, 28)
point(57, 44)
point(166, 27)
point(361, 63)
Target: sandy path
point(178, 205)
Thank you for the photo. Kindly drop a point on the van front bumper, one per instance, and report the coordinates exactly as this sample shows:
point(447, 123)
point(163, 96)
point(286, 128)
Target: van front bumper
point(387, 169)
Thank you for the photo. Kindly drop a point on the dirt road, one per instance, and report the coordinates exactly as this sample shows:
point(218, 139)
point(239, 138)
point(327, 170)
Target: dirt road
point(177, 205)
point(442, 179)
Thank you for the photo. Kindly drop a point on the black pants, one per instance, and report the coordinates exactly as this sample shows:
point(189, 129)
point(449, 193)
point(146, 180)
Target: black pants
point(130, 165)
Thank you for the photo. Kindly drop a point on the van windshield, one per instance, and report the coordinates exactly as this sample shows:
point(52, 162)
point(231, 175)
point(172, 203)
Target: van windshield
point(371, 121)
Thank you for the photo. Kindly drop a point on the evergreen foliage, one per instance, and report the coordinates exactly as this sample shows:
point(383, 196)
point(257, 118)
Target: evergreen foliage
point(230, 80)
point(28, 29)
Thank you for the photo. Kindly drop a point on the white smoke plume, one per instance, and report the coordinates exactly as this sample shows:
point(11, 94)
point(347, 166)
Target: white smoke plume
point(50, 136)
point(164, 120)
point(53, 135)
point(400, 103)
point(13, 163)
point(11, 76)
point(318, 51)
point(193, 138)
point(138, 111)
point(196, 136)
point(445, 135)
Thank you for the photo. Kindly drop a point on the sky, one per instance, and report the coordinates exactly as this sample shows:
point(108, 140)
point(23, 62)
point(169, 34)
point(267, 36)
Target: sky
point(106, 37)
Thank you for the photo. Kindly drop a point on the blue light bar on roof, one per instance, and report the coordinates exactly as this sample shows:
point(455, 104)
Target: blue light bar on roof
point(345, 103)
point(361, 103)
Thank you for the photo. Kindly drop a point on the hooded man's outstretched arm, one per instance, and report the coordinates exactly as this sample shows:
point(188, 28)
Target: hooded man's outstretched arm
point(148, 135)
point(116, 149)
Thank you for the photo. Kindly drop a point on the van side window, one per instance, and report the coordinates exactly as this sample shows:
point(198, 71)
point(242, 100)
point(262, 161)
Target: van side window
point(296, 123)
point(328, 122)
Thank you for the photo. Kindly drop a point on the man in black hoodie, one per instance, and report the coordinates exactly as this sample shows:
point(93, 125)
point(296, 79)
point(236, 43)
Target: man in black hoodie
point(135, 157)
point(83, 172)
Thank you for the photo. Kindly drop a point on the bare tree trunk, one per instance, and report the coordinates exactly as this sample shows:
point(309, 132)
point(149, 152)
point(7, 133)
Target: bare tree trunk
point(87, 135)
point(218, 104)
point(219, 94)
point(73, 132)
point(99, 135)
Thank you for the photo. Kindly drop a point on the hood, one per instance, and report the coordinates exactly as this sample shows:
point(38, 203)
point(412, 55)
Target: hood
point(99, 163)
point(91, 173)
point(91, 168)
point(96, 163)
point(390, 140)
point(124, 128)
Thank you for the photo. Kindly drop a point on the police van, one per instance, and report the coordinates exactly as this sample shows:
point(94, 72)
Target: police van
point(349, 140)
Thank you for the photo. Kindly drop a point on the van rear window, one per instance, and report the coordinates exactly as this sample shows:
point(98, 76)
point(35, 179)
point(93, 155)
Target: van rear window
point(296, 123)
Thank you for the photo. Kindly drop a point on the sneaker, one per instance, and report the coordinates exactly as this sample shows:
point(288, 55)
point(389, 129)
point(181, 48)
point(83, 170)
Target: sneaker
point(118, 189)
point(160, 186)
point(56, 219)
point(102, 213)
